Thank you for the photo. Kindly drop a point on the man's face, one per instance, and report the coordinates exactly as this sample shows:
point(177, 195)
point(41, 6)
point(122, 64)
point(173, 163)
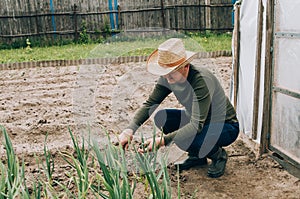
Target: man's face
point(177, 76)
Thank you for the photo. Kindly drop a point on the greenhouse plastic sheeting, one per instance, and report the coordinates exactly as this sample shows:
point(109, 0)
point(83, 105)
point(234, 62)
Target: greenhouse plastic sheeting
point(248, 31)
point(287, 62)
point(285, 115)
point(286, 125)
point(287, 15)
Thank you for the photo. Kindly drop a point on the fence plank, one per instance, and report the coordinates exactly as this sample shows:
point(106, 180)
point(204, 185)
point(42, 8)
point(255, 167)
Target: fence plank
point(23, 18)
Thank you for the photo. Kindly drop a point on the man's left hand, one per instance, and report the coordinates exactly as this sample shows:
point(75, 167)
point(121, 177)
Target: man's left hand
point(148, 145)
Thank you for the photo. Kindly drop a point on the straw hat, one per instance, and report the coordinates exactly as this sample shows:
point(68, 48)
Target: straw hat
point(169, 56)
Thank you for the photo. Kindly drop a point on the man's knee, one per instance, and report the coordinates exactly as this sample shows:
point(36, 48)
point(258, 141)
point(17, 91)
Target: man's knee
point(160, 118)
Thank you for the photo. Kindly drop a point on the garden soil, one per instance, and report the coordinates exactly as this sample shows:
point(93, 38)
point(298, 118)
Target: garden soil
point(94, 100)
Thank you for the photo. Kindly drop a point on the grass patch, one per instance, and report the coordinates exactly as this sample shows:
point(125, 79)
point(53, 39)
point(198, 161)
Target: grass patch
point(193, 41)
point(213, 42)
point(66, 52)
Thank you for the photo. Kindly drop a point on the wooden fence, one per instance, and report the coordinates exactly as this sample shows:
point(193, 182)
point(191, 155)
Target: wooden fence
point(71, 18)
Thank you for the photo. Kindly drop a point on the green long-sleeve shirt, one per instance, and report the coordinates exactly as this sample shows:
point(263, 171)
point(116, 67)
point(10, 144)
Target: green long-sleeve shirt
point(202, 96)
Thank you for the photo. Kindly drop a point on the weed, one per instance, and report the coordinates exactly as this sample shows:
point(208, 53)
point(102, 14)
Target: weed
point(84, 37)
point(28, 45)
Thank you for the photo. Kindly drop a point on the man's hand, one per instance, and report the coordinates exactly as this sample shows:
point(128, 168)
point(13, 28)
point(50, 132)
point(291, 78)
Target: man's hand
point(125, 138)
point(148, 145)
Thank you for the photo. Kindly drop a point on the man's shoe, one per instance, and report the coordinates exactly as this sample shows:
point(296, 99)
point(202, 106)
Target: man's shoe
point(190, 162)
point(217, 167)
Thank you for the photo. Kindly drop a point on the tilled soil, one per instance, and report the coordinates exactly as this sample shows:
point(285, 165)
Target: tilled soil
point(91, 100)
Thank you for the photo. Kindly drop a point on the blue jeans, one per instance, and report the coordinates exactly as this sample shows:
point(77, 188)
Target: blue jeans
point(208, 141)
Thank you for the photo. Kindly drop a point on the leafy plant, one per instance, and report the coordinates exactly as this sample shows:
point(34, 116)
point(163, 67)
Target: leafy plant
point(28, 45)
point(80, 164)
point(10, 176)
point(49, 162)
point(112, 181)
point(106, 29)
point(84, 37)
point(157, 175)
point(115, 178)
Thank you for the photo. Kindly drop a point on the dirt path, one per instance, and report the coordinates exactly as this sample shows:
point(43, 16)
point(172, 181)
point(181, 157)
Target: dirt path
point(37, 101)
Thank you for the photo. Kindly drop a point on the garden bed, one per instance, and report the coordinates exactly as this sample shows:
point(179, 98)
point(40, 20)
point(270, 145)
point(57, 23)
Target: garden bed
point(92, 100)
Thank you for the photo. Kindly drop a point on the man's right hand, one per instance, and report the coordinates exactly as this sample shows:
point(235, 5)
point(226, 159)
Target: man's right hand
point(125, 137)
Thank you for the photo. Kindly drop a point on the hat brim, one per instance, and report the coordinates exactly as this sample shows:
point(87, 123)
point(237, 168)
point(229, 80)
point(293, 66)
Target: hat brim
point(154, 68)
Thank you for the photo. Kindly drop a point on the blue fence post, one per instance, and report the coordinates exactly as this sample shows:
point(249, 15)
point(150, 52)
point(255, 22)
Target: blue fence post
point(111, 15)
point(117, 16)
point(232, 15)
point(52, 17)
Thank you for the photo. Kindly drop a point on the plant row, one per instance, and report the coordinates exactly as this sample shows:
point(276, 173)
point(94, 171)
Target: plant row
point(94, 173)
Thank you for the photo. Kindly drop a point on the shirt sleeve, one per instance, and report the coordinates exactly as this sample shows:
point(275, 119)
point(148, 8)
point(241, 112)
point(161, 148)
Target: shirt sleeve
point(159, 93)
